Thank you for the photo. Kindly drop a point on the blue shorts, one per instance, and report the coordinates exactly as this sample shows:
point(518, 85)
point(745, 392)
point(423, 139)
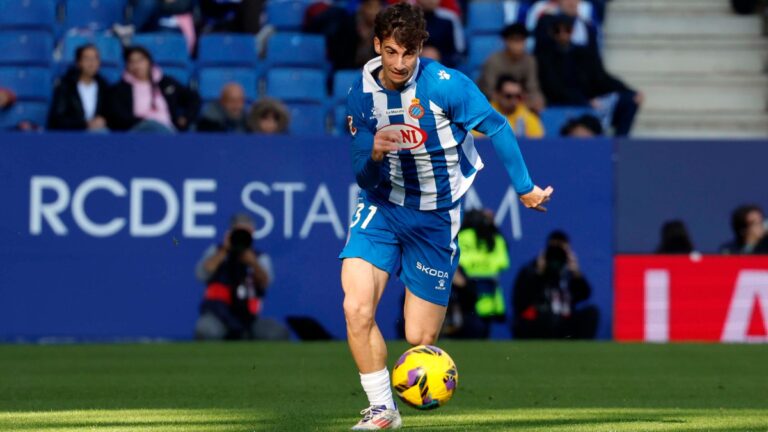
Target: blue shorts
point(423, 243)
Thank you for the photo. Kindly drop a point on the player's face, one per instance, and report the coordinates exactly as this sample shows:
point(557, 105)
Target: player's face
point(398, 63)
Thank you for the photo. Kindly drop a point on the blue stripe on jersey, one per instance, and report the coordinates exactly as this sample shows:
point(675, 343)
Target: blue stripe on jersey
point(408, 164)
point(437, 154)
point(467, 169)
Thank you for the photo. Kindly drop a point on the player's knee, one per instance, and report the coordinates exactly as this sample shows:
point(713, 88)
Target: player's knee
point(359, 315)
point(421, 337)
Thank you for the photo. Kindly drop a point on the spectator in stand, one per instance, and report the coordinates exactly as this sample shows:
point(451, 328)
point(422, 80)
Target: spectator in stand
point(7, 98)
point(145, 100)
point(575, 76)
point(236, 278)
point(269, 116)
point(584, 126)
point(749, 232)
point(550, 294)
point(509, 100)
point(585, 32)
point(163, 15)
point(227, 114)
point(239, 16)
point(445, 31)
point(675, 239)
point(80, 98)
point(348, 36)
point(514, 60)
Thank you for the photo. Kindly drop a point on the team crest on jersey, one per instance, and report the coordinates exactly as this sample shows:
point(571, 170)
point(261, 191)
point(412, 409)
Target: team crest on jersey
point(352, 128)
point(416, 111)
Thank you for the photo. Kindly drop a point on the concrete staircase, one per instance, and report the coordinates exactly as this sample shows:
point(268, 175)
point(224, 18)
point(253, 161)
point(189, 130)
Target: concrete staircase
point(701, 68)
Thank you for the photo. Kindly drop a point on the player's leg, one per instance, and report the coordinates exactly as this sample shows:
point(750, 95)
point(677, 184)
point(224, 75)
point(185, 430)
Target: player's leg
point(423, 319)
point(363, 286)
point(370, 255)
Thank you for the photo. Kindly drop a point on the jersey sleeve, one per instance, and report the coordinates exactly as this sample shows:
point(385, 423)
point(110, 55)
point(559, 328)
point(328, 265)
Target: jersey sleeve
point(467, 105)
point(367, 171)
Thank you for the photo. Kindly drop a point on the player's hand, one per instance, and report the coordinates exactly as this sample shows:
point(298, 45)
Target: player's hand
point(383, 143)
point(537, 197)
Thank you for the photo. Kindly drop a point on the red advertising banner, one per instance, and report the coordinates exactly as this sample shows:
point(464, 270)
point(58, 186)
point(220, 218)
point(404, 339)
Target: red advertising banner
point(698, 298)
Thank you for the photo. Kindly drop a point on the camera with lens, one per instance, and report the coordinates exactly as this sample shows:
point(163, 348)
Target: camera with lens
point(240, 240)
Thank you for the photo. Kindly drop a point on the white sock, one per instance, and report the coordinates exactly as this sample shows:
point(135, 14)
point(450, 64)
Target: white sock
point(378, 388)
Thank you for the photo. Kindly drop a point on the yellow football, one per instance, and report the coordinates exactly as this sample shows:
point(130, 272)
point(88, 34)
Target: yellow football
point(425, 377)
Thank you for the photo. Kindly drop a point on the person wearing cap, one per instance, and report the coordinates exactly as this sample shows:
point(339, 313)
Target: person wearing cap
point(515, 61)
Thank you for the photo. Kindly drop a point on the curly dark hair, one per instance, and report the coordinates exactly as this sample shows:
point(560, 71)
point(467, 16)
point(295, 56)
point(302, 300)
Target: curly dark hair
point(404, 22)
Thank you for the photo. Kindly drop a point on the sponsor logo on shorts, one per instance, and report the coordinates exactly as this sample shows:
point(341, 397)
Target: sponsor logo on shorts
point(440, 285)
point(430, 271)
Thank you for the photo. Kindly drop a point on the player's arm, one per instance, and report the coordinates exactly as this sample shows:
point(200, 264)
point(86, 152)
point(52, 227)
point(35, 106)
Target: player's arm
point(368, 149)
point(470, 108)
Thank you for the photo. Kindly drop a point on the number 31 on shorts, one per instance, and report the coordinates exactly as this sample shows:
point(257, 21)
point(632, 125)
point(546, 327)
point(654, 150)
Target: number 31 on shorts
point(358, 214)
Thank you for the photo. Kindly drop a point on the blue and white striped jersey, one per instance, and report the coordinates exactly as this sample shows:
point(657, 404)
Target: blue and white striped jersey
point(434, 114)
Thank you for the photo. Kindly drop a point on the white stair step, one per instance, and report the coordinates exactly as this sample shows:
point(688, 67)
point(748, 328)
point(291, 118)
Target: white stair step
point(681, 23)
point(712, 124)
point(746, 58)
point(702, 96)
point(708, 6)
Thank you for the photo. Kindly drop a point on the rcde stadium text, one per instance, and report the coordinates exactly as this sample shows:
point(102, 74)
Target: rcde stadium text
point(196, 200)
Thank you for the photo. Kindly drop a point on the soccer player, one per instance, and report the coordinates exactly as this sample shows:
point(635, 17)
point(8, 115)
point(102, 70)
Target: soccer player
point(414, 158)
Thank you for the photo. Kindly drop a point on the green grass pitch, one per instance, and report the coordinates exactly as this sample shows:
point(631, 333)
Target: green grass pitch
point(503, 386)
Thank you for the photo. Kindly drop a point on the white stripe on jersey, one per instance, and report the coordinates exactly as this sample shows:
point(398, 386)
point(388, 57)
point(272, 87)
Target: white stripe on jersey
point(459, 183)
point(455, 214)
point(421, 157)
point(397, 194)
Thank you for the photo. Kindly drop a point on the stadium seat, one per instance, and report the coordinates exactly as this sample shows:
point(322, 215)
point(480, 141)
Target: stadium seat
point(480, 48)
point(110, 49)
point(342, 81)
point(211, 80)
point(35, 112)
point(554, 118)
point(485, 17)
point(94, 14)
point(29, 83)
point(180, 74)
point(224, 49)
point(286, 14)
point(167, 49)
point(307, 119)
point(297, 85)
point(28, 14)
point(296, 49)
point(111, 73)
point(26, 48)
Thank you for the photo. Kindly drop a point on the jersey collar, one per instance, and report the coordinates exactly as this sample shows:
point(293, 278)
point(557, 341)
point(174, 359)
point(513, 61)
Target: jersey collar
point(370, 84)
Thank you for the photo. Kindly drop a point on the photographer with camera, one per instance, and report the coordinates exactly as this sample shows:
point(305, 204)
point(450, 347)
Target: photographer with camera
point(549, 296)
point(236, 278)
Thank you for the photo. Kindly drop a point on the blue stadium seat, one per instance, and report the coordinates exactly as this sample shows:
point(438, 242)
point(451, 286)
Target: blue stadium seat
point(297, 85)
point(180, 74)
point(342, 81)
point(296, 49)
point(485, 17)
point(286, 14)
point(111, 73)
point(110, 49)
point(308, 119)
point(94, 14)
point(480, 48)
point(28, 14)
point(554, 118)
point(26, 48)
point(167, 49)
point(224, 49)
point(211, 80)
point(35, 112)
point(29, 83)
